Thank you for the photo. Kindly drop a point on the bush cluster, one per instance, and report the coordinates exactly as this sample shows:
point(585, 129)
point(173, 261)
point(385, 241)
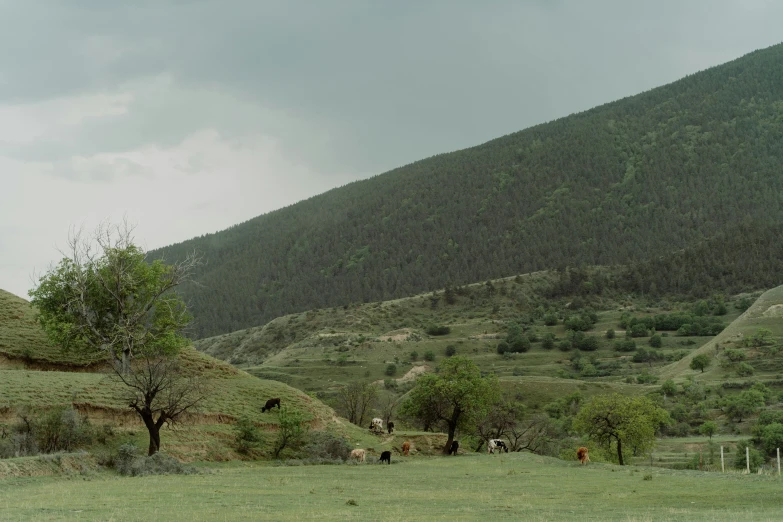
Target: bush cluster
point(128, 461)
point(58, 429)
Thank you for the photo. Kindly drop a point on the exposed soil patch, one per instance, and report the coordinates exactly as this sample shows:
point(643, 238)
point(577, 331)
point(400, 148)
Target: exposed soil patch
point(774, 311)
point(396, 335)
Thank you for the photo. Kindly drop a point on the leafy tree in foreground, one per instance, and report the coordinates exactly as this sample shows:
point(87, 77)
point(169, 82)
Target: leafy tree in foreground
point(616, 421)
point(105, 297)
point(455, 397)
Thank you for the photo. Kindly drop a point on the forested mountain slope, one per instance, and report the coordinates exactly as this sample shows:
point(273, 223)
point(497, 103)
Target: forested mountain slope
point(625, 182)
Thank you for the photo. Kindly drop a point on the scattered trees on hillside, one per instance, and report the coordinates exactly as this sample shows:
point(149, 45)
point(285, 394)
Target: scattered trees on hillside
point(509, 420)
point(356, 400)
point(105, 297)
point(700, 362)
point(454, 397)
point(617, 422)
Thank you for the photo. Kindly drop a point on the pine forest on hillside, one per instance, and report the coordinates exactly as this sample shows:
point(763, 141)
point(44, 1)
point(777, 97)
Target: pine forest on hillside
point(679, 173)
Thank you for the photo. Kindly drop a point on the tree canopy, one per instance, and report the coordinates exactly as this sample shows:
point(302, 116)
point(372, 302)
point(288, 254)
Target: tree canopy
point(105, 297)
point(455, 397)
point(619, 423)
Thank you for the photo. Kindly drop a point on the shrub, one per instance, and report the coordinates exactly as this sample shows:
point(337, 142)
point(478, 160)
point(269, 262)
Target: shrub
point(391, 369)
point(291, 429)
point(564, 346)
point(429, 355)
point(656, 341)
point(502, 347)
point(532, 336)
point(588, 343)
point(519, 344)
point(548, 342)
point(681, 429)
point(414, 355)
point(438, 330)
point(325, 445)
point(646, 378)
point(550, 319)
point(246, 435)
point(734, 354)
point(668, 387)
point(62, 429)
point(637, 330)
point(451, 350)
point(756, 458)
point(744, 369)
point(610, 333)
point(626, 345)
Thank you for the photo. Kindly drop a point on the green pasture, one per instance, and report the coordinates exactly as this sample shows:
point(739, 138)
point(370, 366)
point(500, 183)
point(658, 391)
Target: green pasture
point(21, 336)
point(471, 487)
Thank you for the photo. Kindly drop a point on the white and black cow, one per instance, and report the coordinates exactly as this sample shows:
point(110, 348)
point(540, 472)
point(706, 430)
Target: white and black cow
point(496, 444)
point(377, 425)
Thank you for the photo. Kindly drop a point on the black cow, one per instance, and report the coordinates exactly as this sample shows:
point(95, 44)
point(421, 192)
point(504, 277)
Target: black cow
point(390, 426)
point(386, 455)
point(454, 448)
point(270, 404)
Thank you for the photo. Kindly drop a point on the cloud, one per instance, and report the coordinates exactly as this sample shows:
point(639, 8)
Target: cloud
point(189, 116)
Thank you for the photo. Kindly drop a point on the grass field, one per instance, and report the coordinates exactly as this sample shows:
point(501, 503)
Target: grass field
point(470, 487)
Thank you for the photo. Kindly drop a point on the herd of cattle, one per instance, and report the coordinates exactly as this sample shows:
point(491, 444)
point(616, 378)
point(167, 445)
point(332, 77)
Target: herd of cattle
point(376, 427)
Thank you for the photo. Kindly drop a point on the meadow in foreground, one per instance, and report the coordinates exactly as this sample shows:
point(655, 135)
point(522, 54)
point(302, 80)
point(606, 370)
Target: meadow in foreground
point(468, 487)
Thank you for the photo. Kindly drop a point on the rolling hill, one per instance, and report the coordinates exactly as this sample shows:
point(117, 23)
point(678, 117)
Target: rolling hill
point(676, 167)
point(37, 377)
point(320, 350)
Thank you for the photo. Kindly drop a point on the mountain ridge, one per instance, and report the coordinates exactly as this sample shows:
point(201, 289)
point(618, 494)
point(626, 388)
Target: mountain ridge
point(621, 183)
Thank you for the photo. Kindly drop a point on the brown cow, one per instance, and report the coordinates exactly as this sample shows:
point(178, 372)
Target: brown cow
point(406, 448)
point(582, 455)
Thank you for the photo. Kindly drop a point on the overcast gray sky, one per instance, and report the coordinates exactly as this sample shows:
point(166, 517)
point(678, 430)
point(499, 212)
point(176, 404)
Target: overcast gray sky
point(190, 116)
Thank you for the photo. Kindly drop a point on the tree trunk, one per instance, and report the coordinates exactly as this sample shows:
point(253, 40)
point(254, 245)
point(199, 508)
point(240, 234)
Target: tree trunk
point(154, 430)
point(620, 451)
point(452, 429)
point(126, 356)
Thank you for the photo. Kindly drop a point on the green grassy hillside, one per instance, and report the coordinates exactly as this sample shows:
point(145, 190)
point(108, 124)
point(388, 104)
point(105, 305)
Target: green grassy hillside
point(37, 377)
point(320, 350)
point(21, 338)
point(762, 352)
point(691, 162)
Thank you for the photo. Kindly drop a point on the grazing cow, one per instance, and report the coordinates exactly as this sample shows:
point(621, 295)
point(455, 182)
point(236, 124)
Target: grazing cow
point(454, 448)
point(270, 404)
point(582, 455)
point(494, 444)
point(377, 425)
point(390, 427)
point(358, 454)
point(406, 448)
point(386, 455)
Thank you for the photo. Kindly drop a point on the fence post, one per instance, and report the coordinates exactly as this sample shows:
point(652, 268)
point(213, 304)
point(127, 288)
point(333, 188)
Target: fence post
point(778, 461)
point(747, 459)
point(722, 467)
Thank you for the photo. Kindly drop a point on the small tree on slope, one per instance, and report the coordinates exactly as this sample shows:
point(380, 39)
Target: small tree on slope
point(104, 296)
